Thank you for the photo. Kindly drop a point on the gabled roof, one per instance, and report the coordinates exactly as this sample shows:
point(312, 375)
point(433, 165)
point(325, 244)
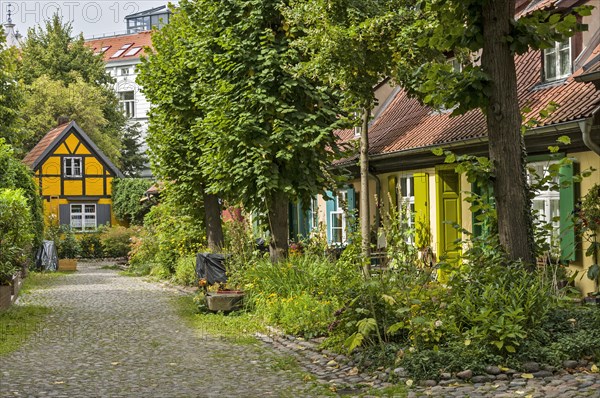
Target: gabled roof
point(406, 124)
point(54, 137)
point(121, 47)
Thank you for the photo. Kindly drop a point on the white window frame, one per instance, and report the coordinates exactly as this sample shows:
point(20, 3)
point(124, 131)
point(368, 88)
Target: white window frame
point(70, 169)
point(127, 105)
point(408, 198)
point(343, 195)
point(546, 198)
point(556, 52)
point(79, 219)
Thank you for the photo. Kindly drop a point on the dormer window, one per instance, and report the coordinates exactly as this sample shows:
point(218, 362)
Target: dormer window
point(557, 61)
point(72, 167)
point(455, 64)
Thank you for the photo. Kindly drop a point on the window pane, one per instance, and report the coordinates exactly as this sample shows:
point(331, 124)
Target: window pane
point(565, 62)
point(90, 209)
point(550, 64)
point(75, 208)
point(336, 221)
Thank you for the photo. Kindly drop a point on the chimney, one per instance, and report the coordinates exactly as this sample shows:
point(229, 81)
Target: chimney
point(62, 120)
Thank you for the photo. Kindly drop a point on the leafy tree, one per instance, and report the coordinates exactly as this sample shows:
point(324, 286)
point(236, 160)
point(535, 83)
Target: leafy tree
point(15, 175)
point(132, 158)
point(349, 44)
point(10, 95)
point(174, 152)
point(53, 52)
point(46, 100)
point(245, 124)
point(489, 30)
point(126, 196)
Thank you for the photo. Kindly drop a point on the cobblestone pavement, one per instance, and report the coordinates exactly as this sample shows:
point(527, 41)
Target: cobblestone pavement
point(113, 336)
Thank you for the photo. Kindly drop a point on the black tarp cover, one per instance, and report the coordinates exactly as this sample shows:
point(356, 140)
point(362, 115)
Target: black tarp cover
point(210, 266)
point(46, 257)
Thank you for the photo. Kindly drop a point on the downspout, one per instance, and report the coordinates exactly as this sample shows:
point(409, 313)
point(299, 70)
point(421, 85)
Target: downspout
point(378, 202)
point(586, 130)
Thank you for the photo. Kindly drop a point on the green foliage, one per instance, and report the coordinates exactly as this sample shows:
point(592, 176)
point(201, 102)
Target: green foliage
point(16, 232)
point(11, 96)
point(127, 194)
point(222, 70)
point(91, 245)
point(46, 100)
point(14, 174)
point(301, 294)
point(63, 77)
point(185, 271)
point(588, 221)
point(116, 241)
point(69, 246)
point(167, 235)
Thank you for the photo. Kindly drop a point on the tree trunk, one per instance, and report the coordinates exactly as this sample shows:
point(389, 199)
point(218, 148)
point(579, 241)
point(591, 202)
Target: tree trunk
point(212, 219)
point(506, 144)
point(278, 207)
point(365, 216)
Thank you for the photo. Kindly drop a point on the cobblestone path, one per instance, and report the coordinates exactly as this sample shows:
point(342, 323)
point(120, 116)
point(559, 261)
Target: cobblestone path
point(113, 336)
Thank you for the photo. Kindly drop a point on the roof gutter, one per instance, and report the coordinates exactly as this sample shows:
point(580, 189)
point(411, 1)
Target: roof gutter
point(586, 133)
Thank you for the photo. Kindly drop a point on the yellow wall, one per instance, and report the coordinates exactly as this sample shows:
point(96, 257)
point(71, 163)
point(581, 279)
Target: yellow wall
point(585, 161)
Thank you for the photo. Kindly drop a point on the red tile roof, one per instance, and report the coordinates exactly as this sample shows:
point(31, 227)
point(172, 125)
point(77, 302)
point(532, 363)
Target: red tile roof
point(44, 143)
point(116, 44)
point(406, 124)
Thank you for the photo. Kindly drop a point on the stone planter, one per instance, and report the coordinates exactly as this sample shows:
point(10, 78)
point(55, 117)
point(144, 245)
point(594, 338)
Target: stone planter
point(67, 264)
point(224, 300)
point(5, 297)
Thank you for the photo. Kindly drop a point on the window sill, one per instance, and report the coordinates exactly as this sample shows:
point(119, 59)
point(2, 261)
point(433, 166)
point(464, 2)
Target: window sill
point(550, 83)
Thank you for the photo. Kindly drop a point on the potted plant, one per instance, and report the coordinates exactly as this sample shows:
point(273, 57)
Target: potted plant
point(68, 250)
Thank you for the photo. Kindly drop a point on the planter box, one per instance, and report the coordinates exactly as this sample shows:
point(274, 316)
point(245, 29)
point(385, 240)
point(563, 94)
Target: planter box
point(224, 300)
point(5, 297)
point(67, 264)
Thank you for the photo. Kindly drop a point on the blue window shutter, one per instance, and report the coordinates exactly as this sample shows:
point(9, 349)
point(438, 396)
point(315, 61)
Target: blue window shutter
point(567, 205)
point(102, 215)
point(351, 197)
point(64, 214)
point(329, 207)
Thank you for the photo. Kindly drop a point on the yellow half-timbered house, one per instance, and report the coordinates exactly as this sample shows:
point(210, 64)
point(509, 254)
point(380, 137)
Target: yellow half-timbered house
point(75, 178)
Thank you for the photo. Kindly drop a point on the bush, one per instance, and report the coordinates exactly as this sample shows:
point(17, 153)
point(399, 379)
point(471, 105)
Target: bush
point(116, 241)
point(301, 294)
point(185, 271)
point(69, 246)
point(16, 232)
point(91, 246)
point(126, 195)
point(15, 175)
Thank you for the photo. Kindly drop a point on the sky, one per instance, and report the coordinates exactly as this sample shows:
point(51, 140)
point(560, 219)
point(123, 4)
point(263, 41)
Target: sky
point(92, 18)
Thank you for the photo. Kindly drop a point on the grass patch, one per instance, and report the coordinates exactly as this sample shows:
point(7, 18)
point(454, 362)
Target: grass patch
point(19, 322)
point(238, 327)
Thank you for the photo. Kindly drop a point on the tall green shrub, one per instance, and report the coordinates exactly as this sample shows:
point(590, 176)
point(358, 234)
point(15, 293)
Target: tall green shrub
point(16, 232)
point(126, 195)
point(13, 175)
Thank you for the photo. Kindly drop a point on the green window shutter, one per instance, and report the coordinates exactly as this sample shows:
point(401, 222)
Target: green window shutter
point(567, 205)
point(329, 207)
point(393, 192)
point(422, 238)
point(481, 227)
point(293, 221)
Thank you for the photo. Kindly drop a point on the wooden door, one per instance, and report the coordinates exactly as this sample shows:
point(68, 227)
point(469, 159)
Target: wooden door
point(448, 213)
